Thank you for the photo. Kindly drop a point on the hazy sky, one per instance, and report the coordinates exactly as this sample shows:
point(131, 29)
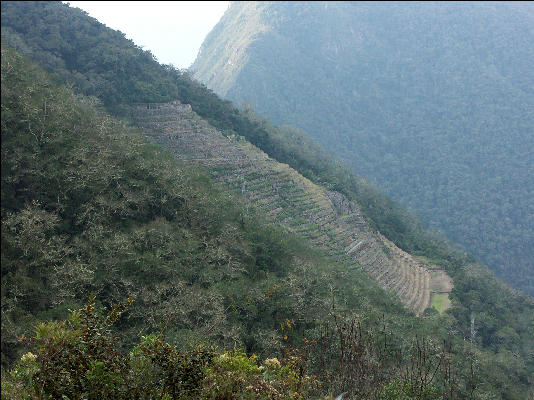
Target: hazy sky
point(172, 30)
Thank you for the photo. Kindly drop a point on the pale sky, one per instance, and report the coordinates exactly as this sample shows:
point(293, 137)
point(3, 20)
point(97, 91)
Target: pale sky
point(172, 30)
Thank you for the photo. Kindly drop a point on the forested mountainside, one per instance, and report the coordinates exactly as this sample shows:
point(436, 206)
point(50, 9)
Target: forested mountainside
point(431, 101)
point(88, 201)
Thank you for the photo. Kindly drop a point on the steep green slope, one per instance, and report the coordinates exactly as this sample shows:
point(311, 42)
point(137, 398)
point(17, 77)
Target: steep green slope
point(88, 207)
point(502, 328)
point(431, 101)
point(23, 24)
point(88, 71)
point(325, 219)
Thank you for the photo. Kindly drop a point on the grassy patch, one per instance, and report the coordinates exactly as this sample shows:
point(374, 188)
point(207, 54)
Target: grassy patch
point(441, 302)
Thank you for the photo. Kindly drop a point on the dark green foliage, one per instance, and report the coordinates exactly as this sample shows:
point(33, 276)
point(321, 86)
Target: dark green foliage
point(147, 81)
point(481, 299)
point(79, 359)
point(284, 145)
point(80, 356)
point(181, 373)
point(89, 207)
point(432, 102)
point(114, 78)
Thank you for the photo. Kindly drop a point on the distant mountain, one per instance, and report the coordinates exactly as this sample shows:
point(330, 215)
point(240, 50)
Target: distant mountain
point(432, 101)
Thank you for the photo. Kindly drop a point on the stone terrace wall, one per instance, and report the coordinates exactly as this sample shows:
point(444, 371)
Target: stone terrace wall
point(327, 220)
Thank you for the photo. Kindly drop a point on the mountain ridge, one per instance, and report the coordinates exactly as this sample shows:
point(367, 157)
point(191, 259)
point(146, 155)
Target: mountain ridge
point(430, 101)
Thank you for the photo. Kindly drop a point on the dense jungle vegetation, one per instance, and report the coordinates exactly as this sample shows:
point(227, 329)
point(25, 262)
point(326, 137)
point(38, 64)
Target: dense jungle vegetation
point(430, 101)
point(90, 208)
point(100, 62)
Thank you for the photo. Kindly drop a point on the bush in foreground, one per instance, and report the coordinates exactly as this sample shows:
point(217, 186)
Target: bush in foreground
point(80, 359)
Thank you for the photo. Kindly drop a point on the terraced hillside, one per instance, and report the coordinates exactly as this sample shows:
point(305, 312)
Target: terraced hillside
point(327, 219)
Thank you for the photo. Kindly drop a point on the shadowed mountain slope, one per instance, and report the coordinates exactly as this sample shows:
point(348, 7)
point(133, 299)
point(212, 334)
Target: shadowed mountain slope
point(431, 101)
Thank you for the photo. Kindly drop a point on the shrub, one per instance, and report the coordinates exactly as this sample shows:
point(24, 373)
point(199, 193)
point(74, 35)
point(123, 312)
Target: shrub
point(80, 359)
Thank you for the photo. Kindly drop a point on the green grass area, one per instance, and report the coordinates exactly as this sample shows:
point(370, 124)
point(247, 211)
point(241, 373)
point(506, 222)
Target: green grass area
point(441, 302)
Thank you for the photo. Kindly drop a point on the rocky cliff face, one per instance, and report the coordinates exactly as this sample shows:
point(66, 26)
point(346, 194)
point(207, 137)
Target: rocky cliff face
point(326, 219)
point(241, 26)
